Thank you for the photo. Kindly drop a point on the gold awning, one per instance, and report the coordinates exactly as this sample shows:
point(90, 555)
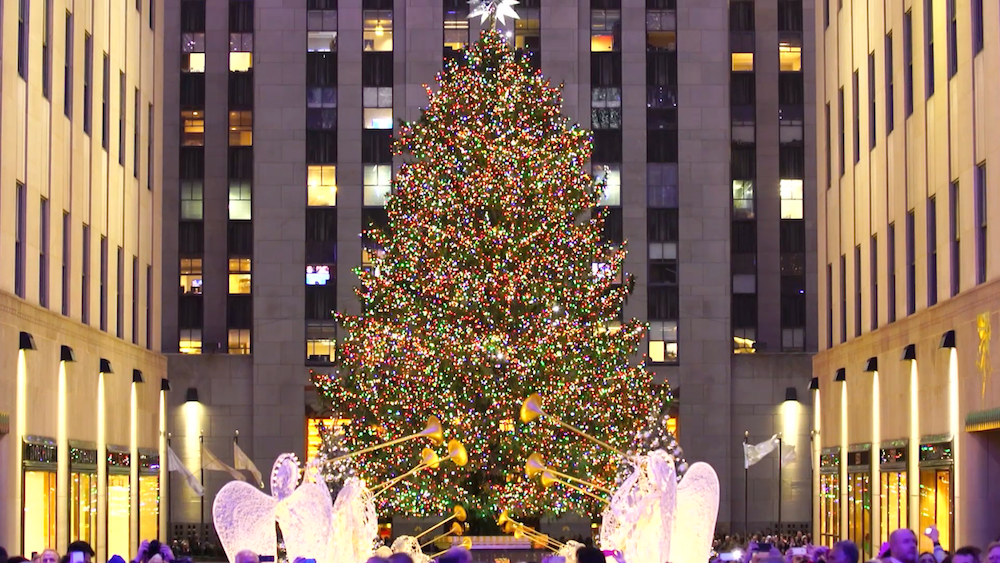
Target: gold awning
point(981, 421)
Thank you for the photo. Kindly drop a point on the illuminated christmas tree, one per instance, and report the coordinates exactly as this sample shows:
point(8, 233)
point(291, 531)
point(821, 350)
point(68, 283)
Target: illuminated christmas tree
point(493, 280)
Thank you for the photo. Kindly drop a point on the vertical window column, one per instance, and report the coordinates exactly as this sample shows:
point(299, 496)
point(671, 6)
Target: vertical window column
point(743, 172)
point(43, 253)
point(932, 263)
point(20, 240)
point(321, 180)
point(791, 169)
point(376, 153)
point(528, 32)
point(954, 227)
point(67, 250)
point(456, 28)
point(980, 223)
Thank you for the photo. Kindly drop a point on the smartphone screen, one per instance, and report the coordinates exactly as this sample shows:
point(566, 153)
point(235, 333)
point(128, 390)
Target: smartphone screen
point(266, 559)
point(76, 557)
point(798, 551)
point(729, 556)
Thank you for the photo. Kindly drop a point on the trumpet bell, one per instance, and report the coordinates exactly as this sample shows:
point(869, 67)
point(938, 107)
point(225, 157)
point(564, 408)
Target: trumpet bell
point(456, 529)
point(459, 513)
point(531, 408)
point(429, 458)
point(466, 542)
point(457, 453)
point(509, 528)
point(433, 431)
point(503, 520)
point(534, 465)
point(548, 479)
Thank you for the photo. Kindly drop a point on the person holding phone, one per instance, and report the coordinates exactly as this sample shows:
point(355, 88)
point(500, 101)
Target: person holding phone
point(79, 552)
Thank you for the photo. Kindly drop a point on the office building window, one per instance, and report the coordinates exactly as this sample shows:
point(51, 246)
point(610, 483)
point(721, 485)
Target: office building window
point(135, 132)
point(135, 299)
point(606, 108)
point(240, 48)
point(932, 263)
point(456, 27)
point(22, 38)
point(322, 185)
point(240, 128)
point(857, 290)
point(891, 269)
point(20, 241)
point(104, 284)
point(952, 39)
point(85, 275)
point(120, 295)
point(791, 193)
point(605, 30)
point(661, 185)
point(88, 82)
point(192, 200)
point(840, 130)
point(149, 307)
point(239, 341)
point(239, 276)
point(609, 178)
point(977, 26)
point(829, 306)
point(66, 254)
point(980, 223)
point(321, 108)
point(843, 298)
point(46, 51)
point(871, 101)
point(240, 203)
point(954, 227)
point(322, 41)
point(527, 32)
point(929, 46)
point(68, 67)
point(911, 264)
point(121, 118)
point(790, 55)
point(150, 147)
point(856, 110)
point(889, 89)
point(43, 253)
point(192, 128)
point(742, 62)
point(321, 342)
point(743, 200)
point(190, 276)
point(193, 36)
point(105, 101)
point(908, 62)
point(189, 341)
point(377, 184)
point(377, 102)
point(873, 281)
point(829, 148)
point(377, 33)
point(663, 342)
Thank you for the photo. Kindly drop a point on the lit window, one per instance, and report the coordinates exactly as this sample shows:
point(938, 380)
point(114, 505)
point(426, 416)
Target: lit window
point(742, 62)
point(318, 274)
point(321, 342)
point(192, 42)
point(663, 251)
point(314, 438)
point(321, 97)
point(793, 339)
point(240, 62)
point(609, 178)
point(789, 57)
point(322, 20)
point(239, 200)
point(377, 34)
point(609, 327)
point(377, 103)
point(606, 104)
point(661, 40)
point(791, 199)
point(191, 276)
point(192, 200)
point(743, 203)
point(322, 42)
point(241, 42)
point(190, 341)
point(240, 128)
point(322, 186)
point(194, 128)
point(661, 20)
point(239, 276)
point(605, 30)
point(239, 341)
point(39, 519)
point(527, 29)
point(193, 62)
point(378, 184)
point(663, 342)
point(744, 340)
point(456, 29)
point(378, 118)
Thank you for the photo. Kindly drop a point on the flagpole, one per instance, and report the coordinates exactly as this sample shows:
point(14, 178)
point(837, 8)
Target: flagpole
point(780, 460)
point(746, 487)
point(170, 495)
point(201, 458)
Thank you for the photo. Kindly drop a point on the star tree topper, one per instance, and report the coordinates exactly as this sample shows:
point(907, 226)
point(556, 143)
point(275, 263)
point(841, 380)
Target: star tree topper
point(499, 9)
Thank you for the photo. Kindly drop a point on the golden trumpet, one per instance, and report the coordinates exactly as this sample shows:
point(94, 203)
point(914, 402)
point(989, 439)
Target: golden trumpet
point(457, 513)
point(548, 479)
point(531, 409)
point(536, 465)
point(456, 453)
point(510, 526)
point(456, 530)
point(432, 431)
point(466, 543)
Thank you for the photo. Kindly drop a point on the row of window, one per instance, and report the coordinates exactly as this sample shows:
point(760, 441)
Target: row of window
point(980, 196)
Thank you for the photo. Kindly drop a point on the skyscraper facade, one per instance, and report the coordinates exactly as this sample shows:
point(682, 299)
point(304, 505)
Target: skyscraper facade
point(277, 150)
point(906, 420)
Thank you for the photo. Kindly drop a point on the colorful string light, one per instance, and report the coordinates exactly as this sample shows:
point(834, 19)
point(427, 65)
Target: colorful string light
point(483, 290)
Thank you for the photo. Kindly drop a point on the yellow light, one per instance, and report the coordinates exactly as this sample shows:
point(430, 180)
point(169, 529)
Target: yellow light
point(379, 30)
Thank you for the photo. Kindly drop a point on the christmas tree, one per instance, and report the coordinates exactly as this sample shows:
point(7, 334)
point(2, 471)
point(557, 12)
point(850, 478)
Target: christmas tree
point(493, 280)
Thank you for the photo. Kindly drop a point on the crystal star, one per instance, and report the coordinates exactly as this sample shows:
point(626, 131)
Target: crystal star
point(500, 9)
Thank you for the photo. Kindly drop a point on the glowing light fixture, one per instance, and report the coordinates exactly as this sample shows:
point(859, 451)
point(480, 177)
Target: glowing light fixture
point(164, 384)
point(26, 341)
point(910, 352)
point(191, 396)
point(379, 30)
point(66, 354)
point(948, 339)
point(791, 395)
point(814, 384)
point(871, 365)
point(137, 376)
point(841, 375)
point(106, 366)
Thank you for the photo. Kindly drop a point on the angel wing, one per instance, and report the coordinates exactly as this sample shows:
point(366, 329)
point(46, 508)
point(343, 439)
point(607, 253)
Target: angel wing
point(696, 514)
point(640, 518)
point(306, 520)
point(244, 519)
point(355, 523)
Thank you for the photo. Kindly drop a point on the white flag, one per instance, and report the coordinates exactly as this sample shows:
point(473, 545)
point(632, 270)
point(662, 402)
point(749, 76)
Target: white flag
point(211, 463)
point(174, 464)
point(242, 462)
point(788, 455)
point(752, 453)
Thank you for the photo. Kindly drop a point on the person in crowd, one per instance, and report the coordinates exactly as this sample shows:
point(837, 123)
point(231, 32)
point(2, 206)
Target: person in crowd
point(79, 546)
point(247, 556)
point(51, 556)
point(150, 549)
point(377, 560)
point(403, 558)
point(456, 555)
point(902, 546)
point(554, 559)
point(590, 555)
point(17, 559)
point(993, 552)
point(844, 552)
point(967, 554)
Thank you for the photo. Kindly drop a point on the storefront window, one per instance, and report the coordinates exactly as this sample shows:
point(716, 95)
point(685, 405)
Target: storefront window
point(859, 512)
point(83, 507)
point(935, 505)
point(39, 510)
point(893, 502)
point(149, 507)
point(119, 512)
point(829, 509)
